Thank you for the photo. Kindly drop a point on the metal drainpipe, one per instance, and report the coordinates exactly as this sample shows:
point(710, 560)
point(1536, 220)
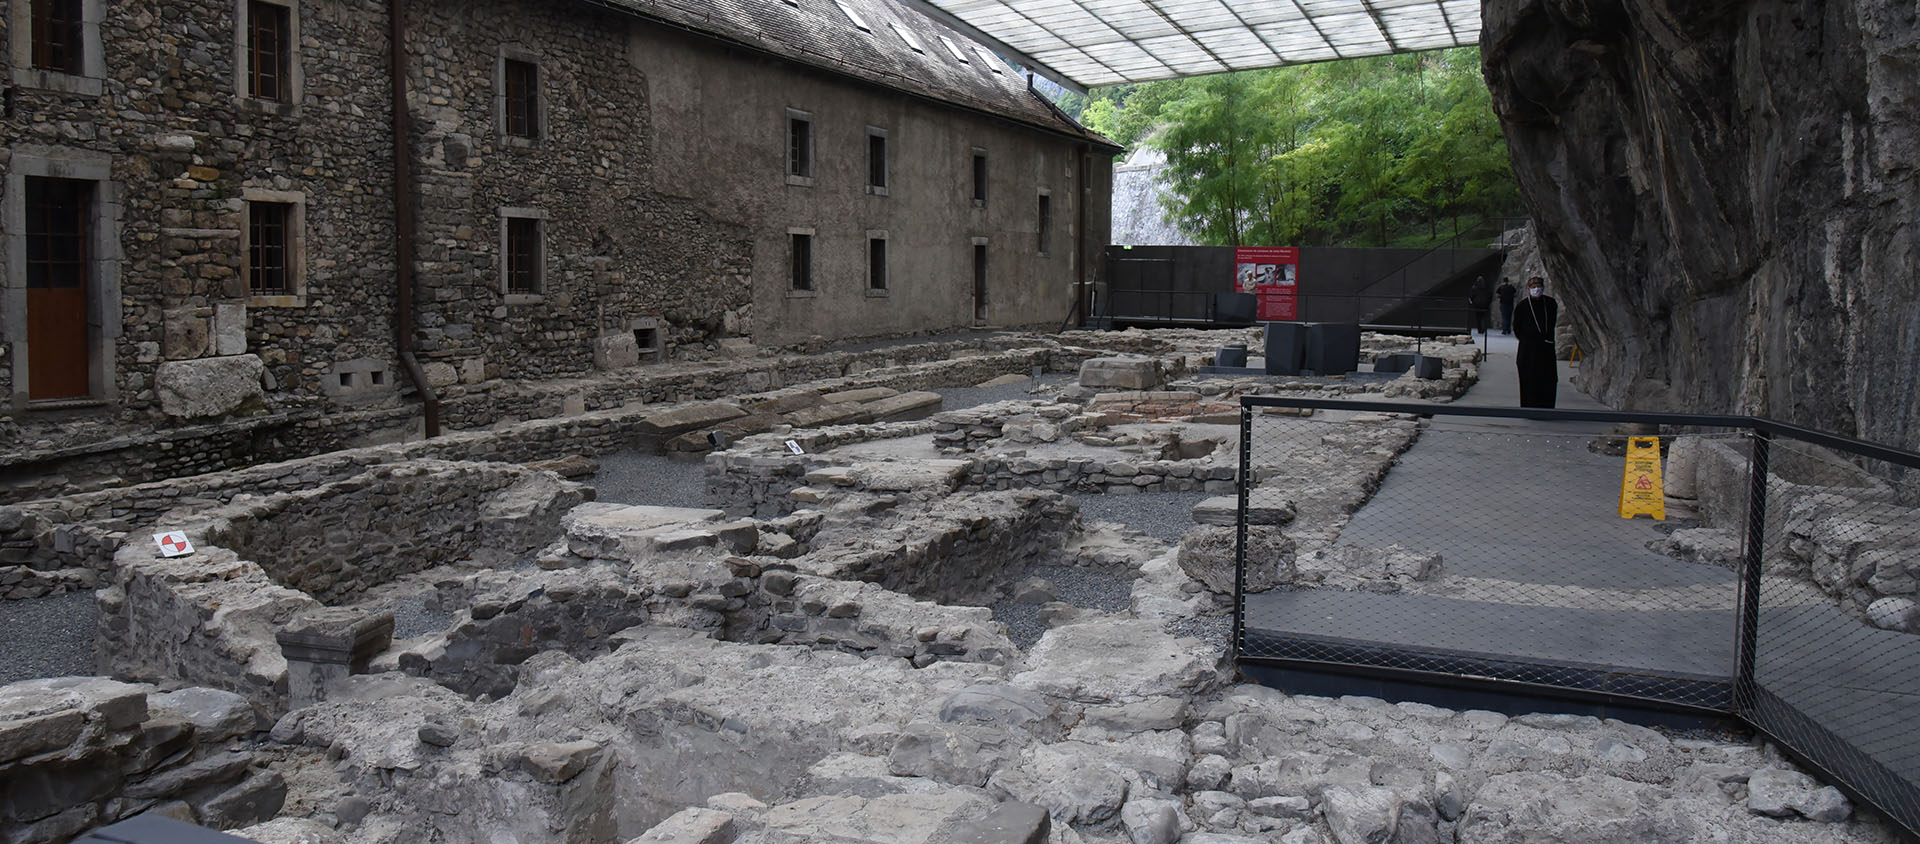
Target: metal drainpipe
point(403, 215)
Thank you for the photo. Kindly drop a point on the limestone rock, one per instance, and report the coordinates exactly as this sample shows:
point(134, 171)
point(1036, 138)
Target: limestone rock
point(952, 753)
point(1100, 660)
point(1007, 706)
point(1357, 567)
point(1122, 373)
point(1151, 820)
point(1781, 793)
point(1207, 555)
point(195, 389)
point(615, 351)
point(555, 763)
point(666, 423)
point(215, 714)
point(1224, 511)
point(1895, 614)
point(1361, 815)
point(691, 826)
point(290, 831)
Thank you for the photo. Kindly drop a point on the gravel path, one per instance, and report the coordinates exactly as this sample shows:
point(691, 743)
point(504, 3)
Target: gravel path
point(1082, 587)
point(47, 637)
point(961, 398)
point(631, 477)
point(1165, 516)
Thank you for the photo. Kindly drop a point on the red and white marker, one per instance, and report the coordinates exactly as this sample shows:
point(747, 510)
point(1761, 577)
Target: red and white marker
point(173, 543)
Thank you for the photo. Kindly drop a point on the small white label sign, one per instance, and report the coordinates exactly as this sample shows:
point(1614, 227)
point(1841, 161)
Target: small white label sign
point(794, 446)
point(173, 543)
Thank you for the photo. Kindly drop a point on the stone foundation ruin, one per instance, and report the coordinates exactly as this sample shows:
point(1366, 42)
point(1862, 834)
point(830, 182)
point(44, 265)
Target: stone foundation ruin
point(848, 639)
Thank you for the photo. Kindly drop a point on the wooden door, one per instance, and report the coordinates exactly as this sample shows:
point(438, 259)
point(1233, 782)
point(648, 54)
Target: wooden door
point(58, 275)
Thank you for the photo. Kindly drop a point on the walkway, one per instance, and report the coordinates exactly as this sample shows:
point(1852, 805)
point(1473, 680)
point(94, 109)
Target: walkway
point(1542, 582)
point(1537, 565)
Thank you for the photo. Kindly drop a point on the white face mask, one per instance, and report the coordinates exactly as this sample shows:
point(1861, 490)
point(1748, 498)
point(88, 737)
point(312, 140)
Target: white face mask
point(1535, 291)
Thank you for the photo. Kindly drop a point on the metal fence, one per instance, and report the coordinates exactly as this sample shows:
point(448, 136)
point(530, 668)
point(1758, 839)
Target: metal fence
point(1769, 575)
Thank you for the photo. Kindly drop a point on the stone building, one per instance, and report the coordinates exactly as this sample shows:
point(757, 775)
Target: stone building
point(204, 263)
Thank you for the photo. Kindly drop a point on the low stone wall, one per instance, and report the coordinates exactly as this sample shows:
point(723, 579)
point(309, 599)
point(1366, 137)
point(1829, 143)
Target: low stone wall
point(211, 617)
point(51, 545)
point(89, 459)
point(81, 752)
point(1828, 522)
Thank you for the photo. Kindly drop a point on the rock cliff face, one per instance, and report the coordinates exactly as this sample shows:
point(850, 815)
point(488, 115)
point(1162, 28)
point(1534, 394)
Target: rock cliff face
point(1725, 194)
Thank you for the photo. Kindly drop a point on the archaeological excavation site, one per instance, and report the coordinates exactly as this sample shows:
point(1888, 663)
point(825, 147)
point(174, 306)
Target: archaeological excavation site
point(974, 590)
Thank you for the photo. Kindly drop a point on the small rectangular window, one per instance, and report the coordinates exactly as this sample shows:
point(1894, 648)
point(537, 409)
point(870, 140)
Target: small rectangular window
point(1045, 222)
point(992, 61)
point(906, 35)
point(979, 177)
point(521, 83)
point(876, 263)
point(57, 35)
point(269, 252)
point(523, 258)
point(800, 274)
point(954, 49)
point(852, 15)
point(799, 146)
point(876, 159)
point(269, 51)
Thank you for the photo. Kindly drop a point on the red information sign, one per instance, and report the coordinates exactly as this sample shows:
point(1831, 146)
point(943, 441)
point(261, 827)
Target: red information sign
point(1272, 274)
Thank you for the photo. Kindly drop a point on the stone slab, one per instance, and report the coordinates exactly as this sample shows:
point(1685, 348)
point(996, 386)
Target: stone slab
point(862, 396)
point(904, 407)
point(678, 420)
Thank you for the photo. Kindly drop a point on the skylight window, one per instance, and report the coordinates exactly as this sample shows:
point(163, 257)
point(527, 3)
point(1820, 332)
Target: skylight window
point(954, 49)
point(853, 15)
point(907, 36)
point(993, 62)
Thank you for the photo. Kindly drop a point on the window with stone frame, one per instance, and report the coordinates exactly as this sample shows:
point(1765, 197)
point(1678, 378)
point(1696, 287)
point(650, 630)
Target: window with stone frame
point(270, 233)
point(799, 146)
point(58, 35)
point(979, 177)
point(876, 261)
point(269, 51)
point(524, 260)
point(520, 92)
point(877, 161)
point(800, 254)
point(1044, 223)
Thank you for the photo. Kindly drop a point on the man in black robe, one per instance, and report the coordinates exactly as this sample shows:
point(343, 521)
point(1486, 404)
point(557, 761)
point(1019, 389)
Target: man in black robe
point(1533, 321)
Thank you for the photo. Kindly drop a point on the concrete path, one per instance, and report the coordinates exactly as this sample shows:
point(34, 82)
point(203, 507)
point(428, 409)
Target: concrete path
point(1538, 568)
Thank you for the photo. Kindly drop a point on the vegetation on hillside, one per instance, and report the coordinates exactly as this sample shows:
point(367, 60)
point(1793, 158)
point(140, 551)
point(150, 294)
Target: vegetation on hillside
point(1394, 150)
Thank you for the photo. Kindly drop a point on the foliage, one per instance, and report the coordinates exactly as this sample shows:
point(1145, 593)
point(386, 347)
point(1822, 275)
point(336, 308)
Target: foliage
point(1359, 152)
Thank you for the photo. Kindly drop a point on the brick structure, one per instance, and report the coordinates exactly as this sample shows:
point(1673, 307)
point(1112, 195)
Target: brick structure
point(201, 228)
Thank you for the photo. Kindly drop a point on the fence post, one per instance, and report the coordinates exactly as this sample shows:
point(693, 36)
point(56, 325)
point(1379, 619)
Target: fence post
point(1748, 623)
point(1242, 483)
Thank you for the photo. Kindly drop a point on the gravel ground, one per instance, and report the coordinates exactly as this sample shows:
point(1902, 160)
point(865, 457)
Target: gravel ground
point(960, 398)
point(1165, 516)
point(47, 637)
point(1082, 587)
point(412, 618)
point(631, 477)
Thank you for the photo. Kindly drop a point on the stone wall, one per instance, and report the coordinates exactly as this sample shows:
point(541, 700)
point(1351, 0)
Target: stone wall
point(1722, 194)
point(211, 617)
point(80, 752)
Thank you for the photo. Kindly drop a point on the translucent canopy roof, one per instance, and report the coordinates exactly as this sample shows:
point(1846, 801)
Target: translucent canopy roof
point(1090, 43)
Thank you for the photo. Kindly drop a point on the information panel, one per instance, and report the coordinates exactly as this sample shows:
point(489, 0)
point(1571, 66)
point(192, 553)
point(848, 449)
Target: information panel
point(1271, 273)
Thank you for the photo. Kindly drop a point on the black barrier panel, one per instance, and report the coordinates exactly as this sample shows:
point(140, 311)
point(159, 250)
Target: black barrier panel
point(1767, 572)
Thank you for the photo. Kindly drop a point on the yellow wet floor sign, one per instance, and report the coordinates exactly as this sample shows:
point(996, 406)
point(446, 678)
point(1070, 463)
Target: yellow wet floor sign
point(1641, 492)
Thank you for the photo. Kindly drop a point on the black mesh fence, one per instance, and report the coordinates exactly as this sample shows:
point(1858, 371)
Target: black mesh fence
point(1493, 547)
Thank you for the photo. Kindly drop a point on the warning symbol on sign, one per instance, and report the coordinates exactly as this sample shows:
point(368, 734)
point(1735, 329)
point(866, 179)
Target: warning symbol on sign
point(173, 544)
point(1641, 491)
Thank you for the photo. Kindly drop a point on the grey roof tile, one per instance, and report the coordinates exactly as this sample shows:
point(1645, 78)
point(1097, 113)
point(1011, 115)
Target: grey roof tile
point(819, 33)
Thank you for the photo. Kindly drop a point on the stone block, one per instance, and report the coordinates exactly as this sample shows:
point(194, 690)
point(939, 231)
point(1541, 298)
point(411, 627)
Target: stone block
point(549, 762)
point(860, 396)
point(1122, 373)
point(216, 715)
point(1008, 823)
point(692, 826)
point(1223, 511)
point(255, 800)
point(678, 420)
point(185, 334)
point(844, 413)
point(194, 389)
point(230, 329)
point(326, 644)
point(1003, 381)
point(24, 737)
point(213, 770)
point(616, 351)
point(904, 407)
point(441, 375)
